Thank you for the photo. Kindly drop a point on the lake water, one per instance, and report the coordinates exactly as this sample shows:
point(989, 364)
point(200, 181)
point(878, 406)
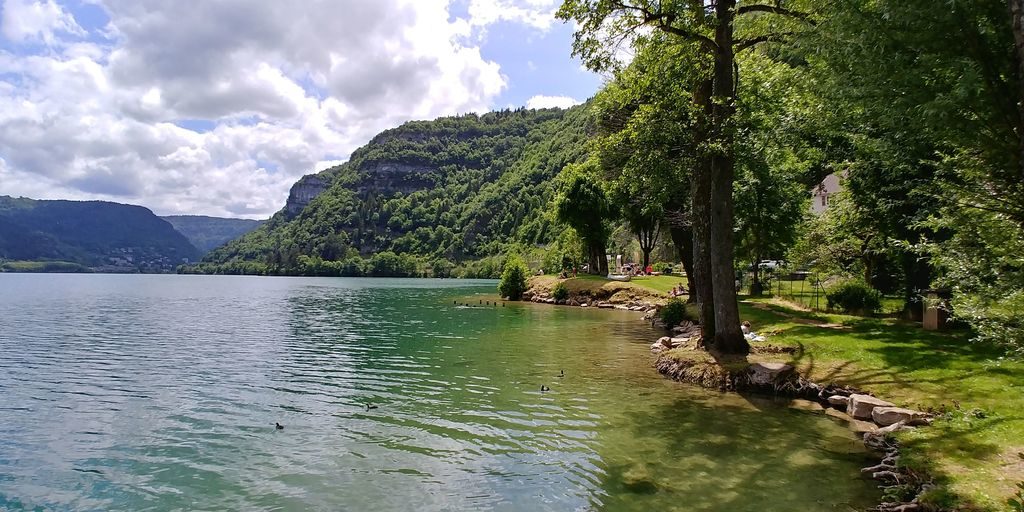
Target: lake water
point(131, 392)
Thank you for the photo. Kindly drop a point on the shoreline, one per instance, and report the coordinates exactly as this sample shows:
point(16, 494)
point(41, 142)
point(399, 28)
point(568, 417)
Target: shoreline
point(680, 359)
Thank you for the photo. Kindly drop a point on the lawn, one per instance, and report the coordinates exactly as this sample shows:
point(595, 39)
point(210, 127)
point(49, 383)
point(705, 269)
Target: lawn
point(660, 284)
point(976, 451)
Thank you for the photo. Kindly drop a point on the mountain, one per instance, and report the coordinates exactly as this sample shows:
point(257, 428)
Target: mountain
point(207, 233)
point(430, 193)
point(96, 234)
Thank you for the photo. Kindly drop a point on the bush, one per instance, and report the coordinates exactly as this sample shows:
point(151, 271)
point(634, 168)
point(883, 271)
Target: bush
point(513, 278)
point(560, 292)
point(854, 297)
point(673, 313)
point(662, 267)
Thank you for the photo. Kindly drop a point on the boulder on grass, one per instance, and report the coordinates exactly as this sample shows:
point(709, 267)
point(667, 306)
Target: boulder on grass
point(861, 406)
point(886, 416)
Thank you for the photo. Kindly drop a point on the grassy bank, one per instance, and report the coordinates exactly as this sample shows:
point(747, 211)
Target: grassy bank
point(976, 450)
point(598, 288)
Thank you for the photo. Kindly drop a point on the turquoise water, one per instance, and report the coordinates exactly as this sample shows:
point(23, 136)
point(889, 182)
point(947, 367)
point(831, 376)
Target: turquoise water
point(132, 392)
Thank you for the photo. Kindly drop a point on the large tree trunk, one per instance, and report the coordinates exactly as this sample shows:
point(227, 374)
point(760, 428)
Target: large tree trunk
point(756, 288)
point(700, 191)
point(917, 274)
point(728, 337)
point(595, 259)
point(682, 238)
point(1017, 13)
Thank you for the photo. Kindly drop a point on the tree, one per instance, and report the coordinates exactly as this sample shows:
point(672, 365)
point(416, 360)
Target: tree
point(583, 204)
point(645, 142)
point(513, 278)
point(710, 27)
point(939, 129)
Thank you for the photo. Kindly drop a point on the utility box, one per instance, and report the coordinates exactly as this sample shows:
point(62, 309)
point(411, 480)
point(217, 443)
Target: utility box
point(936, 310)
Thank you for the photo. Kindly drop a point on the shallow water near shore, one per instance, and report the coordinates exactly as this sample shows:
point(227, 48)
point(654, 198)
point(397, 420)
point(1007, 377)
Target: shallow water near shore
point(137, 392)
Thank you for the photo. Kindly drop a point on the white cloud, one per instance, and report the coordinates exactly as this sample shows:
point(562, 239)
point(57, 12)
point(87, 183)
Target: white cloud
point(279, 89)
point(539, 14)
point(541, 101)
point(25, 20)
point(282, 86)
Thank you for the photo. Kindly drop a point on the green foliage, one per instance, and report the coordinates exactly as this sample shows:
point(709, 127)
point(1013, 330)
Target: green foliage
point(854, 297)
point(583, 204)
point(513, 278)
point(662, 267)
point(389, 264)
point(560, 292)
point(673, 313)
point(90, 233)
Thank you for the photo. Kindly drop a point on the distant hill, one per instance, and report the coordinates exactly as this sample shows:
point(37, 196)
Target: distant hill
point(100, 235)
point(208, 233)
point(452, 190)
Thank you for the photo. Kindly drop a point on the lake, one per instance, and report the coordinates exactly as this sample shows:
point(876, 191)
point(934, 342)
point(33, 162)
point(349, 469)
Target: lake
point(160, 392)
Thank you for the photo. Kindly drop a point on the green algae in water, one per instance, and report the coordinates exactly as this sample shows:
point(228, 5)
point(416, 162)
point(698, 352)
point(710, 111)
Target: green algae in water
point(160, 392)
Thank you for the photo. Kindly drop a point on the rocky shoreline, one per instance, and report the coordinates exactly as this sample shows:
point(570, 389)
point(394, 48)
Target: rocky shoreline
point(683, 358)
point(871, 417)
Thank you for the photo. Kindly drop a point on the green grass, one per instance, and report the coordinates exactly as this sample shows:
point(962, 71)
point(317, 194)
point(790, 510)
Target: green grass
point(805, 294)
point(42, 266)
point(660, 284)
point(976, 451)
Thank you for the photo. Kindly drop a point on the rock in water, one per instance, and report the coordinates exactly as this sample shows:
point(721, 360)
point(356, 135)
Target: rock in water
point(886, 416)
point(861, 406)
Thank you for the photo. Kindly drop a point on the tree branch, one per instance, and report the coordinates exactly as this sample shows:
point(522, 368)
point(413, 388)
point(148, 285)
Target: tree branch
point(743, 44)
point(663, 21)
point(773, 9)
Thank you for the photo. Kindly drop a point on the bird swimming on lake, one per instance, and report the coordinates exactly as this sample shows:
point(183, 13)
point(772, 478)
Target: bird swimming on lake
point(560, 374)
point(278, 426)
point(544, 388)
point(369, 406)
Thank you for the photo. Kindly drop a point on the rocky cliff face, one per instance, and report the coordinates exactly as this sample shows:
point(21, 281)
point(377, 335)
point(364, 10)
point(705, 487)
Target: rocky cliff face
point(304, 191)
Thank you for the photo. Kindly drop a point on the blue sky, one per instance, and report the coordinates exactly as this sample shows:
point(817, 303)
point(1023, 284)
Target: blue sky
point(217, 109)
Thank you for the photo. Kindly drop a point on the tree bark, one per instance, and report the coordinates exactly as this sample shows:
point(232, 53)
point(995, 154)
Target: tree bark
point(728, 337)
point(682, 238)
point(1017, 14)
point(594, 259)
point(700, 191)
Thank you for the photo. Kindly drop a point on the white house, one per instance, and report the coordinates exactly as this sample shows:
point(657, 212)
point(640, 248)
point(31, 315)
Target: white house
point(820, 195)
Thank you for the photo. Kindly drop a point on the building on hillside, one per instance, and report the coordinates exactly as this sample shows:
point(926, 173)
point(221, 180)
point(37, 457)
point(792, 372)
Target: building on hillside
point(821, 193)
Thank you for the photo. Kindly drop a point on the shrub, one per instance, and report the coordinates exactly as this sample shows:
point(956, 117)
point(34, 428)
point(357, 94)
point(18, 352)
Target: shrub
point(662, 267)
point(560, 292)
point(513, 278)
point(673, 313)
point(854, 297)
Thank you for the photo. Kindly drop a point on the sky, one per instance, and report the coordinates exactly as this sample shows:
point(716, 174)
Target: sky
point(217, 107)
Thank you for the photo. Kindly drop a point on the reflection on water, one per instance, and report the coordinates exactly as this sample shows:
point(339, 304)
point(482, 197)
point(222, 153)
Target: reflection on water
point(160, 392)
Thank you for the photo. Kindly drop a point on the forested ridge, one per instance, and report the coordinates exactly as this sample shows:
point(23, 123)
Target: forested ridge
point(422, 198)
point(90, 234)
